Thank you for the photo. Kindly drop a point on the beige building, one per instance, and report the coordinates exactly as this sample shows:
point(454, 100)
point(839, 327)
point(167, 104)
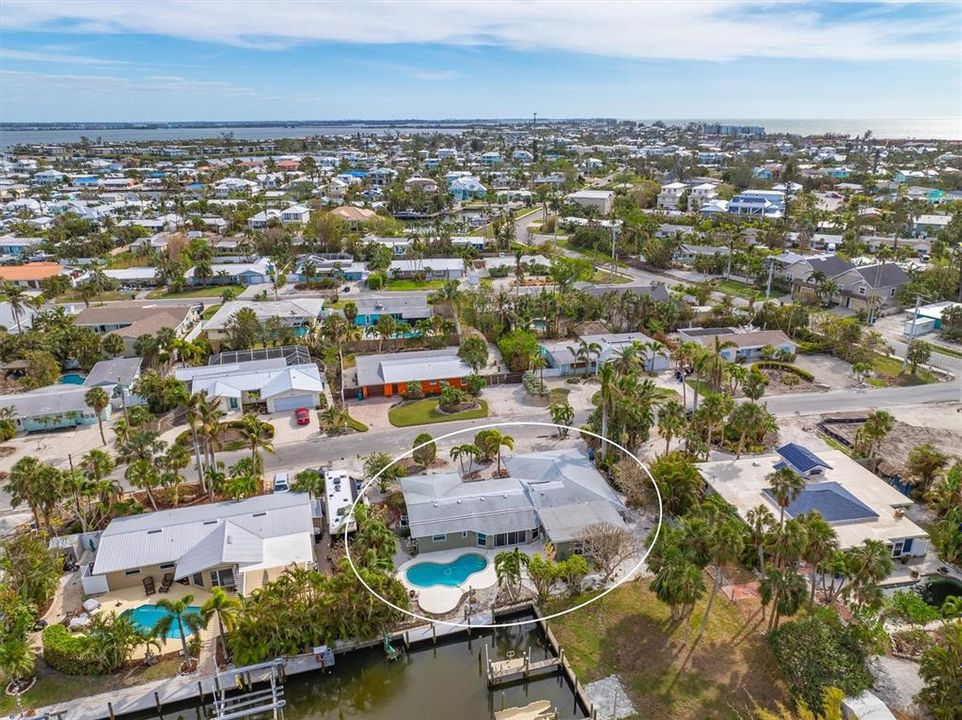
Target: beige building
point(238, 545)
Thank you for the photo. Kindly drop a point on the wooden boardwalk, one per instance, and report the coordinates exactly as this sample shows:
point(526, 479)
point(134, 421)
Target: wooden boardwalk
point(522, 668)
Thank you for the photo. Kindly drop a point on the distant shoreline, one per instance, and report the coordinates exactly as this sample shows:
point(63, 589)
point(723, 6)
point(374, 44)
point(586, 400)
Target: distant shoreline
point(26, 133)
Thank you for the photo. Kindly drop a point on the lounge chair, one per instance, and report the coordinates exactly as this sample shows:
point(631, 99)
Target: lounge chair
point(149, 585)
point(167, 582)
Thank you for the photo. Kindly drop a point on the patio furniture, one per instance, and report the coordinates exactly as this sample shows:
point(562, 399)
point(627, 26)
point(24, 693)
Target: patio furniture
point(167, 582)
point(91, 605)
point(149, 588)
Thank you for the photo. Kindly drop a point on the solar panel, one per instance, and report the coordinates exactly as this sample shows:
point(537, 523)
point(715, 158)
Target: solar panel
point(801, 458)
point(701, 332)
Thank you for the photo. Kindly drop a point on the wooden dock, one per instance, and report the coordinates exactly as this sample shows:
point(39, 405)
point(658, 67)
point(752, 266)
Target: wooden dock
point(522, 668)
point(538, 710)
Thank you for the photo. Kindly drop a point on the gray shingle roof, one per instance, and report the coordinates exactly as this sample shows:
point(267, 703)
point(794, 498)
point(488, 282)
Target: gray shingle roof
point(891, 275)
point(113, 371)
point(50, 400)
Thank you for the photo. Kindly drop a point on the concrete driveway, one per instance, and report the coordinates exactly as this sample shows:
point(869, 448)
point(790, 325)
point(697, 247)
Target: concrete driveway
point(286, 429)
point(827, 370)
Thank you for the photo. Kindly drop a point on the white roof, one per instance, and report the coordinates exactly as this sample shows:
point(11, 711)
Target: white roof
point(270, 377)
point(299, 309)
point(220, 532)
point(410, 367)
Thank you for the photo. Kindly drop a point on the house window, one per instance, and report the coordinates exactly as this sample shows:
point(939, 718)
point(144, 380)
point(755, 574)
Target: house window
point(482, 540)
point(439, 538)
point(897, 548)
point(222, 578)
point(861, 291)
point(198, 579)
point(167, 566)
point(464, 534)
point(135, 571)
point(534, 533)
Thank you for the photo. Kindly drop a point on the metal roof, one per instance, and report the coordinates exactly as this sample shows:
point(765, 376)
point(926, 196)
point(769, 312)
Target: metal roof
point(169, 536)
point(114, 371)
point(833, 502)
point(410, 367)
point(50, 400)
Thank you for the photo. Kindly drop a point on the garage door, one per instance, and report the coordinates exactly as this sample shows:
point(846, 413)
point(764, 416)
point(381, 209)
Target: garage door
point(292, 403)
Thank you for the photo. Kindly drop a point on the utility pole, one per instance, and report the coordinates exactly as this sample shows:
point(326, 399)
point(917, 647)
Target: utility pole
point(915, 318)
point(771, 273)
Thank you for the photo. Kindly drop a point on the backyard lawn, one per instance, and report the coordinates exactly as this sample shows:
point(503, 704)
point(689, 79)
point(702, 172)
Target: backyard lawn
point(407, 285)
point(424, 412)
point(53, 687)
point(604, 277)
point(204, 291)
point(628, 633)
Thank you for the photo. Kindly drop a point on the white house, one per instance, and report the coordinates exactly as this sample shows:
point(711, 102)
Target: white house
point(598, 200)
point(295, 215)
point(670, 194)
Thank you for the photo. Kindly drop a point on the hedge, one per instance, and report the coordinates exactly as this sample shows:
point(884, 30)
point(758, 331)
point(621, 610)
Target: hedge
point(70, 653)
point(788, 367)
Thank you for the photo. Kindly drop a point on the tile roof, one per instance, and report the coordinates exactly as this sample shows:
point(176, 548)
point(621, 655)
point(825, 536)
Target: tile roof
point(30, 271)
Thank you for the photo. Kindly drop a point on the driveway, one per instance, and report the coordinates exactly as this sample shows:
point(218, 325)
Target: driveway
point(827, 370)
point(372, 412)
point(286, 429)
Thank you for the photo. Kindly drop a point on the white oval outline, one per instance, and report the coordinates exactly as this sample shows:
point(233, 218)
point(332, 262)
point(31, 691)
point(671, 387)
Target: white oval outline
point(475, 429)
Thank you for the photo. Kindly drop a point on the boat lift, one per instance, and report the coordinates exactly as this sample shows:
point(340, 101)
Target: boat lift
point(251, 701)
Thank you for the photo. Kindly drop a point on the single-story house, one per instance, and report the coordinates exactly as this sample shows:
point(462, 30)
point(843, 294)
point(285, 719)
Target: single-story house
point(612, 343)
point(344, 268)
point(132, 319)
point(553, 495)
point(409, 307)
point(134, 276)
point(563, 354)
point(392, 374)
point(854, 501)
point(271, 381)
point(116, 376)
point(238, 545)
point(430, 268)
point(51, 408)
point(354, 216)
point(30, 275)
point(299, 313)
point(16, 246)
point(252, 273)
point(686, 254)
point(745, 345)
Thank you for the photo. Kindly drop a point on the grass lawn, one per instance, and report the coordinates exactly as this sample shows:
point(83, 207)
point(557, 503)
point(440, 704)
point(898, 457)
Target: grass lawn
point(204, 291)
point(356, 425)
point(700, 385)
point(424, 412)
point(106, 295)
point(209, 312)
point(350, 361)
point(54, 687)
point(628, 633)
point(603, 277)
point(952, 352)
point(126, 259)
point(558, 395)
point(890, 369)
point(407, 285)
point(738, 289)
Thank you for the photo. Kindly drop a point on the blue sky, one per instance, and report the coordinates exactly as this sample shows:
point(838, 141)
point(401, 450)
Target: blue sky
point(216, 59)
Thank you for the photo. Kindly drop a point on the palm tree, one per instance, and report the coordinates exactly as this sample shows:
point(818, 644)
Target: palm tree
point(468, 451)
point(785, 590)
point(877, 425)
point(821, 542)
point(869, 564)
point(184, 617)
point(751, 420)
point(726, 540)
point(194, 422)
point(18, 660)
point(584, 352)
point(143, 474)
point(941, 669)
point(226, 609)
point(495, 440)
point(679, 583)
point(786, 485)
point(508, 566)
point(671, 422)
point(608, 376)
point(18, 300)
point(760, 523)
point(98, 400)
point(562, 414)
point(255, 434)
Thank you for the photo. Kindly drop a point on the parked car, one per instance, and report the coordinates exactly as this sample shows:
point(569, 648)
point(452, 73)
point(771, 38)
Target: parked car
point(346, 288)
point(303, 416)
point(281, 482)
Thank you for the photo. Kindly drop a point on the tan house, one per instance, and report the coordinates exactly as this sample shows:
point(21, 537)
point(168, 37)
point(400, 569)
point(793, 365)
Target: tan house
point(130, 320)
point(238, 545)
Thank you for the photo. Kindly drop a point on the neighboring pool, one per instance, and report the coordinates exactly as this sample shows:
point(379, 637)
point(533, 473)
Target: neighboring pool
point(146, 618)
point(72, 379)
point(452, 574)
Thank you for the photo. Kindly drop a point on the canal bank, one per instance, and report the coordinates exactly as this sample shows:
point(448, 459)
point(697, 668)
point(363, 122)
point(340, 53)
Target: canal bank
point(440, 675)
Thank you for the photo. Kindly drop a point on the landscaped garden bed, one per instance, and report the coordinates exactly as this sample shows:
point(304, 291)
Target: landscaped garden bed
point(426, 411)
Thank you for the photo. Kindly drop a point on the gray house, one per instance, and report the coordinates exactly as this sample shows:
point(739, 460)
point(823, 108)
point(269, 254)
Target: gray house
point(553, 495)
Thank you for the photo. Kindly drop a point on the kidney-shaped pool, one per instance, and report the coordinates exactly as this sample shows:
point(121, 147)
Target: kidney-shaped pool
point(452, 574)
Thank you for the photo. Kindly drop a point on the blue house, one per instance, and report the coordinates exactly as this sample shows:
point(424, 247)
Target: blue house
point(51, 408)
point(467, 188)
point(407, 308)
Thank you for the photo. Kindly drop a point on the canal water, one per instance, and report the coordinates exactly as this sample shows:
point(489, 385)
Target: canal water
point(429, 682)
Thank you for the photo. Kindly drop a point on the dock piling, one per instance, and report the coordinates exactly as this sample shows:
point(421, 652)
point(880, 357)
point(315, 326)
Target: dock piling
point(157, 703)
point(110, 709)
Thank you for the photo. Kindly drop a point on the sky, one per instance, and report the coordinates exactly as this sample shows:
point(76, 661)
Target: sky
point(150, 60)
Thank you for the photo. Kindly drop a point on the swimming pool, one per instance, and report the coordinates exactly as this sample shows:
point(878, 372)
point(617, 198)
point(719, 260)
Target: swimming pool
point(72, 379)
point(146, 618)
point(426, 574)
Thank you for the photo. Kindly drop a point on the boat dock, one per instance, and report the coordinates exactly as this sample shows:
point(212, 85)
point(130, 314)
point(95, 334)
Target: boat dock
point(522, 668)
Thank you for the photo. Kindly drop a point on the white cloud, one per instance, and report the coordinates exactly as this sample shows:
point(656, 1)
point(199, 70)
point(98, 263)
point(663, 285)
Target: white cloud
point(712, 30)
point(56, 57)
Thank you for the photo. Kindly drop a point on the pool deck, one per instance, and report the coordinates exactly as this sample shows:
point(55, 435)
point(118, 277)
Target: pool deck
point(119, 601)
point(442, 599)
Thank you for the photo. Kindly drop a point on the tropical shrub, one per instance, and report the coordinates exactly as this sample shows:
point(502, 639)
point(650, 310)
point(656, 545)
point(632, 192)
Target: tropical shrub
point(70, 653)
point(816, 652)
point(424, 455)
point(785, 367)
point(911, 607)
point(517, 347)
point(941, 670)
